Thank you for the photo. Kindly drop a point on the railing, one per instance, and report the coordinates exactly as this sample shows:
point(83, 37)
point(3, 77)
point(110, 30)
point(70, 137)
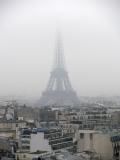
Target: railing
point(62, 140)
point(63, 145)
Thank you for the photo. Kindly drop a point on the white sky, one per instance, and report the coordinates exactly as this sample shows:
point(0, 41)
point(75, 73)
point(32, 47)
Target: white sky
point(91, 38)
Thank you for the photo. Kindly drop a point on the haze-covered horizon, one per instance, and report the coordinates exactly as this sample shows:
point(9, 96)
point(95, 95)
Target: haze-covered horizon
point(91, 40)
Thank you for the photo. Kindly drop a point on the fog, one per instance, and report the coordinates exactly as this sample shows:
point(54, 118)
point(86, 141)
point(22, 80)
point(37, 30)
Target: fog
point(91, 40)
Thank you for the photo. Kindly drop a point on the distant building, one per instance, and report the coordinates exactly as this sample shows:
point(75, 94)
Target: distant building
point(7, 148)
point(115, 116)
point(96, 142)
point(47, 115)
point(10, 129)
point(48, 140)
point(91, 118)
point(115, 139)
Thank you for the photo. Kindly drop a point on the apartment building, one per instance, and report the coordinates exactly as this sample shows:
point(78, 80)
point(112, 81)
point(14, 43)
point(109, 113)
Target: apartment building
point(47, 140)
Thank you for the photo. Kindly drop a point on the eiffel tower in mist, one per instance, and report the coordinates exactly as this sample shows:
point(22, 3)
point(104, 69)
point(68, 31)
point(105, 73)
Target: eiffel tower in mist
point(59, 90)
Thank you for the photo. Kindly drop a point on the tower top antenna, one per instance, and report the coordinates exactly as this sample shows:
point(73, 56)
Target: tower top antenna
point(59, 53)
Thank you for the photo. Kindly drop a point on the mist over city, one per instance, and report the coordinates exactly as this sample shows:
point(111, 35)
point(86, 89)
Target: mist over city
point(60, 80)
point(91, 40)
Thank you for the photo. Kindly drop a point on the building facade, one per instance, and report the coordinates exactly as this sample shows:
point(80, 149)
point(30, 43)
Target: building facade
point(47, 140)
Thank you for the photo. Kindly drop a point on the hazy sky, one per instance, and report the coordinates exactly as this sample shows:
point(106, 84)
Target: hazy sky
point(91, 38)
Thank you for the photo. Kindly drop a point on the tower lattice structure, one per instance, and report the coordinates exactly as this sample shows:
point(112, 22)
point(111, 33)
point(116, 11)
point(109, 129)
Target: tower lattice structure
point(59, 90)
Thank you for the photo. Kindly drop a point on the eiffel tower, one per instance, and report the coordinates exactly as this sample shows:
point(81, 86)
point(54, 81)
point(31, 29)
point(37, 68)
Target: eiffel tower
point(59, 91)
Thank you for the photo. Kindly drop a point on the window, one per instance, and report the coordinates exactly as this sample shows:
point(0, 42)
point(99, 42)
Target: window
point(81, 135)
point(91, 136)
